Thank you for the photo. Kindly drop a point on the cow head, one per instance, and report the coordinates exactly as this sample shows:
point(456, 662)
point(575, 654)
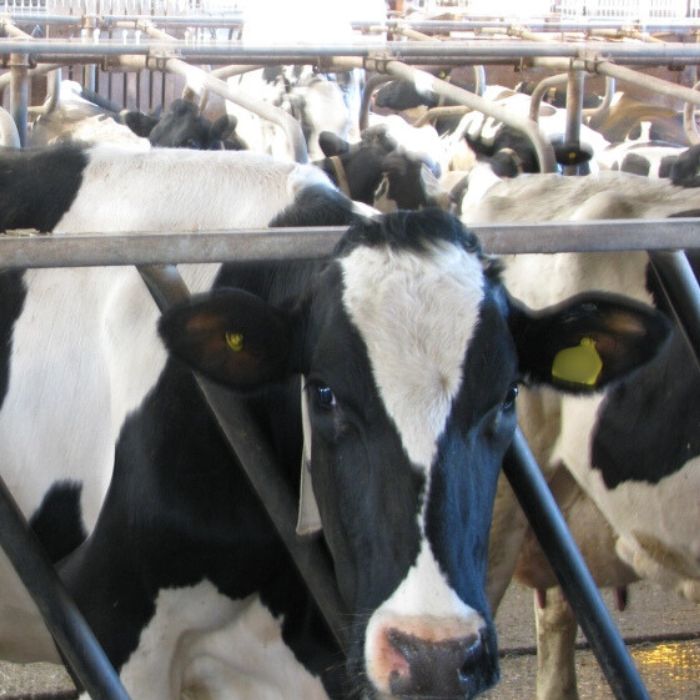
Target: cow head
point(182, 126)
point(381, 174)
point(411, 351)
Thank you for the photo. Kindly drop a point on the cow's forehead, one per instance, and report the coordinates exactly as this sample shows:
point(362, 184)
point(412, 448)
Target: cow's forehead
point(416, 312)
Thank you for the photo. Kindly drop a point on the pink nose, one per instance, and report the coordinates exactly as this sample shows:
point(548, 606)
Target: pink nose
point(421, 667)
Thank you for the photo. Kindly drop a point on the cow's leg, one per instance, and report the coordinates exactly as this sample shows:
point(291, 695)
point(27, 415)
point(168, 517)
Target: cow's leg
point(556, 637)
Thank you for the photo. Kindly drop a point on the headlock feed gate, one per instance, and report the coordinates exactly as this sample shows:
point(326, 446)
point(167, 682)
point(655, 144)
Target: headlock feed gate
point(146, 53)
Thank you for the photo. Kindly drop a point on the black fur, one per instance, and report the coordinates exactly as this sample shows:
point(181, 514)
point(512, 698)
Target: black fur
point(37, 187)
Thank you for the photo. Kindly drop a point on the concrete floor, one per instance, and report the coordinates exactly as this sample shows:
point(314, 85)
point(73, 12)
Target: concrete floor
point(663, 634)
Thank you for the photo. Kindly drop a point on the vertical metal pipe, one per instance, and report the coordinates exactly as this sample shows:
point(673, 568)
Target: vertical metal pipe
point(574, 112)
point(19, 93)
point(553, 535)
point(74, 638)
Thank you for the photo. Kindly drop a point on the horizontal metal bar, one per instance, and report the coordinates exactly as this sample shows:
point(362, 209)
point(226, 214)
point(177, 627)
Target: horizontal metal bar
point(243, 53)
point(233, 19)
point(145, 248)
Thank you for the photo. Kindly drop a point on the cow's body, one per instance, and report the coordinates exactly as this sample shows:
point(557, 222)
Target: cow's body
point(409, 363)
point(75, 114)
point(649, 158)
point(97, 307)
point(634, 451)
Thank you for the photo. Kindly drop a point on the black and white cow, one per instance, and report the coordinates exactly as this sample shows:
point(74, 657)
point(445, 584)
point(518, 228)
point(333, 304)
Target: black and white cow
point(77, 114)
point(649, 158)
point(406, 351)
point(633, 450)
point(182, 125)
point(379, 172)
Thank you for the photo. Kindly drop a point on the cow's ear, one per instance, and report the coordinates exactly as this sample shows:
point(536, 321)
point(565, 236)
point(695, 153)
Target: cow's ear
point(231, 337)
point(583, 344)
point(332, 145)
point(222, 128)
point(141, 124)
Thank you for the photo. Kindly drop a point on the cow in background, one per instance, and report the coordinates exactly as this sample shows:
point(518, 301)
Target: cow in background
point(624, 463)
point(77, 114)
point(182, 125)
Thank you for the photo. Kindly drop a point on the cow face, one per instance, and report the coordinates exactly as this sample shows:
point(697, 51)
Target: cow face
point(182, 126)
point(381, 174)
point(409, 349)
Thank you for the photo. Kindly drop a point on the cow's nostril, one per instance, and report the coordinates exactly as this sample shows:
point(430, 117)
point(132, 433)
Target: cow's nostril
point(473, 656)
point(446, 667)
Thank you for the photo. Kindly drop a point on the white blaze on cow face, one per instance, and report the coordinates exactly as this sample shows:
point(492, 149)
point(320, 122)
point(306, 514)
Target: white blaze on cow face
point(417, 314)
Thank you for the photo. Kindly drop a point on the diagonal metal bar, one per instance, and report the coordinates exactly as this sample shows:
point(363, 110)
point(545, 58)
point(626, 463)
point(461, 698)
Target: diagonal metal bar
point(257, 460)
point(682, 293)
point(81, 650)
point(553, 534)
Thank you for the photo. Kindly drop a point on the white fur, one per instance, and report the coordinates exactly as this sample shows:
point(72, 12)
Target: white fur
point(201, 645)
point(612, 156)
point(85, 351)
point(416, 316)
point(76, 119)
point(423, 595)
point(559, 428)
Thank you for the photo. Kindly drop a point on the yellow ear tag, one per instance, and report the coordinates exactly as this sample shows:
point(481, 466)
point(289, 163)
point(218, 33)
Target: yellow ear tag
point(578, 365)
point(234, 341)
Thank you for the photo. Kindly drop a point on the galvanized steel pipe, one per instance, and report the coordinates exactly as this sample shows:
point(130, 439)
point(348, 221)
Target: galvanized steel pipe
point(19, 93)
point(539, 92)
point(574, 108)
point(543, 149)
point(548, 524)
point(147, 248)
point(199, 79)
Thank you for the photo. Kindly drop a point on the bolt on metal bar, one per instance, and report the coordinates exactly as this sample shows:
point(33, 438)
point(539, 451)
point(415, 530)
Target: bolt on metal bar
point(81, 650)
point(259, 463)
point(549, 526)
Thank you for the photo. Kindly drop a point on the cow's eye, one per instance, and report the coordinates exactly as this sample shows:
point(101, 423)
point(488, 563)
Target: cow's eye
point(511, 395)
point(324, 397)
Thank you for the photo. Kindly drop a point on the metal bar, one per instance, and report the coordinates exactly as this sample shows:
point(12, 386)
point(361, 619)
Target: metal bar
point(143, 248)
point(574, 111)
point(258, 461)
point(199, 80)
point(604, 107)
point(285, 121)
point(543, 149)
point(373, 83)
point(681, 288)
point(73, 637)
point(19, 94)
point(664, 52)
point(233, 19)
point(549, 526)
point(540, 90)
point(663, 87)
